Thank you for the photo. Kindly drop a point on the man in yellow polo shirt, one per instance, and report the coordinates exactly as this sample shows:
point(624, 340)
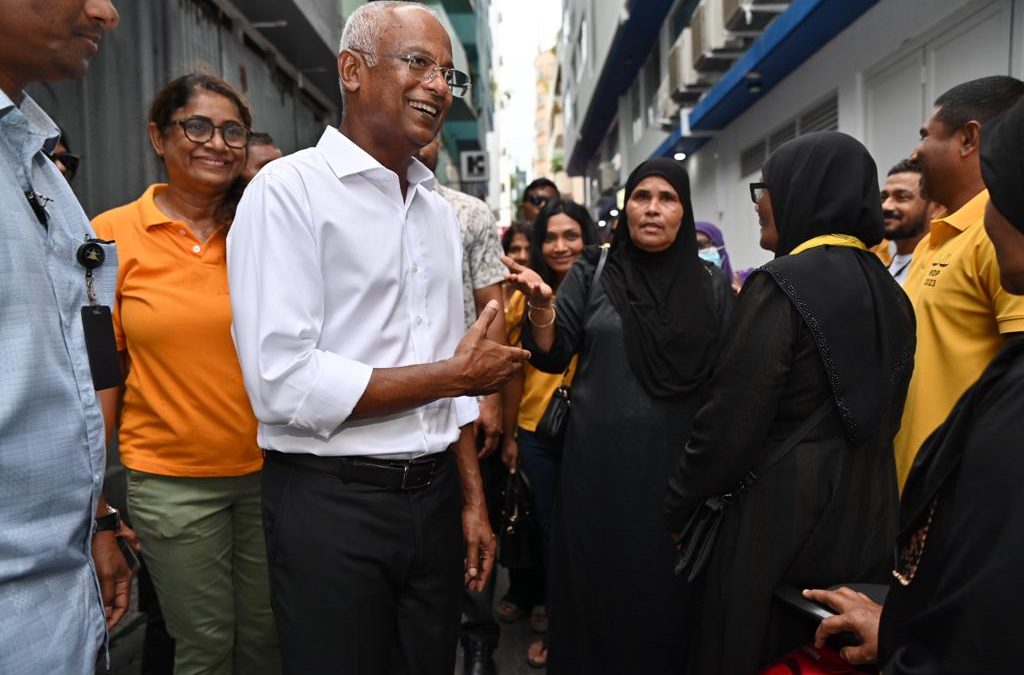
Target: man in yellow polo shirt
point(963, 314)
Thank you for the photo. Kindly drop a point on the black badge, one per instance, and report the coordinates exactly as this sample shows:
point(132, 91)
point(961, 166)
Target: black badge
point(90, 255)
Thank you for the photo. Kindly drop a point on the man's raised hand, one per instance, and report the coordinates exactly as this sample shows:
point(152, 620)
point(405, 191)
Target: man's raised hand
point(485, 365)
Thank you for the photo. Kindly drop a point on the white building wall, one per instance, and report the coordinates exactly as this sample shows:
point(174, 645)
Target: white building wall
point(871, 66)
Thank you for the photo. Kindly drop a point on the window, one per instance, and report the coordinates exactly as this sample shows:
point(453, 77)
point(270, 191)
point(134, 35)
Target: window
point(823, 116)
point(636, 109)
point(652, 79)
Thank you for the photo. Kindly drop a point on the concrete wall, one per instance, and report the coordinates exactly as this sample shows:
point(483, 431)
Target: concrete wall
point(955, 40)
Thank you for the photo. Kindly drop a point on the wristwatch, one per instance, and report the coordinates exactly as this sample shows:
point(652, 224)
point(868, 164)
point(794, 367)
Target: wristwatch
point(111, 521)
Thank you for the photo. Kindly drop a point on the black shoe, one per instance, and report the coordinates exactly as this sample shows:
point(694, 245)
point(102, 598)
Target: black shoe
point(479, 662)
point(478, 657)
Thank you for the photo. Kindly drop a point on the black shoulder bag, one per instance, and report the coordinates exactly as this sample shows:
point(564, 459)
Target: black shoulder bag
point(697, 539)
point(555, 419)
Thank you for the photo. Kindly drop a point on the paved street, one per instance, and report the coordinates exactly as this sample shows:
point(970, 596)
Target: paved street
point(126, 647)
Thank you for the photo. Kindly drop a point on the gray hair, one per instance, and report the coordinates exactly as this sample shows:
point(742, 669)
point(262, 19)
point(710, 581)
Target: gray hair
point(365, 27)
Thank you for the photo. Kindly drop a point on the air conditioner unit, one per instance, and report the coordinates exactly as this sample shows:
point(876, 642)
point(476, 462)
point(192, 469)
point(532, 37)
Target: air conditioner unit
point(667, 108)
point(607, 176)
point(750, 17)
point(685, 83)
point(714, 49)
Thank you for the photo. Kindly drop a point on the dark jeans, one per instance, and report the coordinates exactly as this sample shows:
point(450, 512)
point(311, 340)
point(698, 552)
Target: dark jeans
point(363, 580)
point(542, 463)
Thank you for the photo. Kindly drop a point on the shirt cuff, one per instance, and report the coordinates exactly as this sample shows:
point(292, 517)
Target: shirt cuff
point(466, 410)
point(339, 385)
point(1011, 325)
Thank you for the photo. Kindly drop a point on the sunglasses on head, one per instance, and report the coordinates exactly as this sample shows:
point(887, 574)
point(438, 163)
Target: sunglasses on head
point(537, 200)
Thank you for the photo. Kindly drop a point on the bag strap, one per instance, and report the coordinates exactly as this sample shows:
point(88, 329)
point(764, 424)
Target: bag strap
point(597, 275)
point(787, 445)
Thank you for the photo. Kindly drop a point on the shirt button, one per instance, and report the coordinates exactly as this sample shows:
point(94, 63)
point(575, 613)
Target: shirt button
point(96, 479)
point(88, 398)
point(415, 269)
point(419, 320)
point(196, 249)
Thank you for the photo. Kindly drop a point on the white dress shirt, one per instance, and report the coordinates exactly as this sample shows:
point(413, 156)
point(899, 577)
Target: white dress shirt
point(332, 274)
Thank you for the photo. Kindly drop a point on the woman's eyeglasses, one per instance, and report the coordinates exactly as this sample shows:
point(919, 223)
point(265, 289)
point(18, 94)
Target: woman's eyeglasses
point(756, 191)
point(199, 129)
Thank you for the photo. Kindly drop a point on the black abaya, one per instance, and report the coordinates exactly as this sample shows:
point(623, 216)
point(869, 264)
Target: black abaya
point(616, 608)
point(960, 612)
point(825, 513)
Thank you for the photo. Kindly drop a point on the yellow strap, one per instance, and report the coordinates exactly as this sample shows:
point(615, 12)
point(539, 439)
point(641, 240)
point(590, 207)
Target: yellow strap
point(830, 240)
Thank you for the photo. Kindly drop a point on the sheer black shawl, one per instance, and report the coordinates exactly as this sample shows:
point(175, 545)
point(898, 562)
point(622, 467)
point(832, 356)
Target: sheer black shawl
point(826, 183)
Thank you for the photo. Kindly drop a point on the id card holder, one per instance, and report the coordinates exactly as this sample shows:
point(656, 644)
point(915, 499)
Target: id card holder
point(98, 327)
point(98, 324)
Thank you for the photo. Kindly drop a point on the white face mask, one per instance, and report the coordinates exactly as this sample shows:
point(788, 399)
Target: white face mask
point(712, 255)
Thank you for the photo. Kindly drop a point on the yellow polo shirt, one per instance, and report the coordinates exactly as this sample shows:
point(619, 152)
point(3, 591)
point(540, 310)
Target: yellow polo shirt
point(962, 315)
point(538, 386)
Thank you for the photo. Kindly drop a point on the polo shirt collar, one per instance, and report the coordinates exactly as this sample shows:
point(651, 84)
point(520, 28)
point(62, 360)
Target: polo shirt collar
point(150, 214)
point(347, 159)
point(969, 214)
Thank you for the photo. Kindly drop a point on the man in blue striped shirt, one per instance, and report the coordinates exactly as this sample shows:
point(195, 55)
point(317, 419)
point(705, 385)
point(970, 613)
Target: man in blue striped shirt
point(55, 601)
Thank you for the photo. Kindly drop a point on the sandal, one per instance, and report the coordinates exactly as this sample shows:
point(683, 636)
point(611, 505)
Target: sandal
point(509, 612)
point(537, 654)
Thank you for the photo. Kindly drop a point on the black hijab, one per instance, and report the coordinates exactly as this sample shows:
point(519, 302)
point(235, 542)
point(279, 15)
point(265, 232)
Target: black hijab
point(823, 183)
point(863, 324)
point(1002, 163)
point(664, 299)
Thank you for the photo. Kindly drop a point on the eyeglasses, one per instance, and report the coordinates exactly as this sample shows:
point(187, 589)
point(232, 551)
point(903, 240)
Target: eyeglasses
point(68, 161)
point(537, 200)
point(199, 129)
point(425, 69)
point(757, 191)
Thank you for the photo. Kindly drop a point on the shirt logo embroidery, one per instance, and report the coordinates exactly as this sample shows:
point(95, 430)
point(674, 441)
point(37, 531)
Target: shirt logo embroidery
point(936, 269)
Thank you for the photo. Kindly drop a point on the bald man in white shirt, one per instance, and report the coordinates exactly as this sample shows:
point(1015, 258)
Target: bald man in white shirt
point(346, 285)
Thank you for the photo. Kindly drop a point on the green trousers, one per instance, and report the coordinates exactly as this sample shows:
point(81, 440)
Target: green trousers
point(202, 539)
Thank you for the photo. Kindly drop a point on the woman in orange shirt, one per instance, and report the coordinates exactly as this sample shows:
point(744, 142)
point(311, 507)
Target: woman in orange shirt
point(188, 433)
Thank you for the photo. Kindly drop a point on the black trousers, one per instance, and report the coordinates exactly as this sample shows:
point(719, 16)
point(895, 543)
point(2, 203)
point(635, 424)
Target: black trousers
point(363, 581)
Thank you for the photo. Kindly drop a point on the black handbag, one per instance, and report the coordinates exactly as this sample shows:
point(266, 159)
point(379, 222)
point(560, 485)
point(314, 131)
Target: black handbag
point(555, 420)
point(697, 540)
point(519, 539)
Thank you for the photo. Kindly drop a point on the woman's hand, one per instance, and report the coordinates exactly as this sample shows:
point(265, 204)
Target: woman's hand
point(528, 282)
point(858, 614)
point(510, 453)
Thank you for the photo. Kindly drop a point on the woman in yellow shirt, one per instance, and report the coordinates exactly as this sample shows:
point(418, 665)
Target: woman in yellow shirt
point(188, 433)
point(560, 232)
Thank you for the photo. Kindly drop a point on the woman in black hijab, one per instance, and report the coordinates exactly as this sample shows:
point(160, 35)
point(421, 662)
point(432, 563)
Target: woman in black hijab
point(822, 328)
point(957, 587)
point(646, 334)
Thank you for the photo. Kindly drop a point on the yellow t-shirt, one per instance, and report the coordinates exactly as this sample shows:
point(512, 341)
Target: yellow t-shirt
point(962, 315)
point(185, 411)
point(538, 386)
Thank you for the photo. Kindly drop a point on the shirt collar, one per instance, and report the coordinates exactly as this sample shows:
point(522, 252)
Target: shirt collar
point(347, 159)
point(967, 215)
point(151, 214)
point(39, 125)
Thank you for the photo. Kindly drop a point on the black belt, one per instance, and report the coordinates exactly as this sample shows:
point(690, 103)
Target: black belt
point(390, 474)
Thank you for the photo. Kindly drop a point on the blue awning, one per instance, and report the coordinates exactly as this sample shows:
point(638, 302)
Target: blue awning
point(796, 35)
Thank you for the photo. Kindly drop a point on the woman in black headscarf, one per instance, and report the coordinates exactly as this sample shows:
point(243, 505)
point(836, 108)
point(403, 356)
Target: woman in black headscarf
point(957, 588)
point(821, 327)
point(646, 334)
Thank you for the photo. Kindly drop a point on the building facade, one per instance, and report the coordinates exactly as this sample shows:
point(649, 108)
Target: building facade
point(724, 82)
point(549, 124)
point(279, 53)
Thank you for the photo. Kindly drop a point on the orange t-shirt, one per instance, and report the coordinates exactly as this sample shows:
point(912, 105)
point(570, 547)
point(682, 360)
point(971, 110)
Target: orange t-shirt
point(185, 410)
